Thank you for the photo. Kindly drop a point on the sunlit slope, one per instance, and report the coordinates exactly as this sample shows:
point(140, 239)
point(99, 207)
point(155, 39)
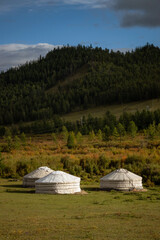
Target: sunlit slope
point(73, 79)
point(116, 109)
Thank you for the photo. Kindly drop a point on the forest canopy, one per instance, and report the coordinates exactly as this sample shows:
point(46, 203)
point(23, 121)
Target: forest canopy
point(75, 78)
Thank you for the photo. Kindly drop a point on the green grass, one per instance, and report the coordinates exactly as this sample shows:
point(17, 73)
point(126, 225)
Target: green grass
point(117, 110)
point(98, 215)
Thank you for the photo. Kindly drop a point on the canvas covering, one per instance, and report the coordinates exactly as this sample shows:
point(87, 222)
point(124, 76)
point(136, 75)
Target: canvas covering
point(121, 179)
point(58, 182)
point(30, 178)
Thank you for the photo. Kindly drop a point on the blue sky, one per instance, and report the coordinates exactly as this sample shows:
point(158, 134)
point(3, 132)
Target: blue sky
point(30, 28)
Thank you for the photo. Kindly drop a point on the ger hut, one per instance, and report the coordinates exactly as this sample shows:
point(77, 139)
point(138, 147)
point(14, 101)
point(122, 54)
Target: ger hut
point(58, 182)
point(121, 179)
point(30, 178)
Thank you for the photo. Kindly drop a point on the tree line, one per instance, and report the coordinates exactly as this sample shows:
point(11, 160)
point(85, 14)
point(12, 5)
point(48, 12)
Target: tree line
point(76, 78)
point(146, 122)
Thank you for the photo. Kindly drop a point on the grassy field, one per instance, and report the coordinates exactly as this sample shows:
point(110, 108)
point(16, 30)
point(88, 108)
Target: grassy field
point(98, 215)
point(117, 110)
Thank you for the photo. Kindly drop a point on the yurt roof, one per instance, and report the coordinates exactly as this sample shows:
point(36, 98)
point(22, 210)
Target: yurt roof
point(58, 177)
point(121, 175)
point(39, 172)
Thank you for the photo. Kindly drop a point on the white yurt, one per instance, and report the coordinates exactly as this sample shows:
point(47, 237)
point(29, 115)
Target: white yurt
point(58, 182)
point(30, 178)
point(121, 179)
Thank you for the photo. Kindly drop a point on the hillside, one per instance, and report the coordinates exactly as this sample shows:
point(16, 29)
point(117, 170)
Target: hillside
point(115, 109)
point(76, 78)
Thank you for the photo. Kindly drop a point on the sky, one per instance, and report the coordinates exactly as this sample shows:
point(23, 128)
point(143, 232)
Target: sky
point(30, 28)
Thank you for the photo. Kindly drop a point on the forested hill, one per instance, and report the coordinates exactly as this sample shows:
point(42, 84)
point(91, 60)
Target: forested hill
point(74, 78)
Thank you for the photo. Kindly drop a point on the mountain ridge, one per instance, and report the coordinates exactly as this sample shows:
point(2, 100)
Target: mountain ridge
point(76, 78)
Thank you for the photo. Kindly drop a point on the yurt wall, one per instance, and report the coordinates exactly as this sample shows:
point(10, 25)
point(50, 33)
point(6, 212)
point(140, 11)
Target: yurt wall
point(121, 179)
point(58, 182)
point(29, 179)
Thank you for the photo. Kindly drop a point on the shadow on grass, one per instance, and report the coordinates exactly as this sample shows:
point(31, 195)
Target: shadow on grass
point(12, 186)
point(92, 189)
point(17, 188)
point(20, 191)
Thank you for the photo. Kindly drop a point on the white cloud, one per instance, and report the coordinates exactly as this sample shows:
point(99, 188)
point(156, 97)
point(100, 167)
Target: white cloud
point(9, 5)
point(13, 55)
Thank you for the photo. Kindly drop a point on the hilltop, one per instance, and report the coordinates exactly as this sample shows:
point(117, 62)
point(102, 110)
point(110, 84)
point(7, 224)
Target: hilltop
point(72, 79)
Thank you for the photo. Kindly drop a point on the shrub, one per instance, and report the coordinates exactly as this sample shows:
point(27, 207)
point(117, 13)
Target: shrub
point(149, 183)
point(91, 135)
point(132, 129)
point(71, 140)
point(22, 168)
point(7, 172)
point(99, 134)
point(64, 133)
point(151, 131)
point(103, 162)
point(79, 138)
point(151, 172)
point(121, 130)
point(23, 138)
point(107, 133)
point(66, 162)
point(53, 135)
point(17, 142)
point(114, 164)
point(1, 165)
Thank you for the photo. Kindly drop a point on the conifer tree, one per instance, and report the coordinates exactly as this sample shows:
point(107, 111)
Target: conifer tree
point(23, 138)
point(17, 142)
point(151, 131)
point(107, 132)
point(91, 135)
point(71, 143)
point(99, 134)
point(53, 135)
point(132, 129)
point(79, 138)
point(121, 130)
point(115, 133)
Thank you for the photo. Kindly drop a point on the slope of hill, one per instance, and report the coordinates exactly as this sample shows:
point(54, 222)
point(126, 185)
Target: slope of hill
point(77, 78)
point(115, 109)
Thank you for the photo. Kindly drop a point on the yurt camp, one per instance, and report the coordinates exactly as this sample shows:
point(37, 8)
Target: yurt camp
point(30, 178)
point(58, 182)
point(121, 179)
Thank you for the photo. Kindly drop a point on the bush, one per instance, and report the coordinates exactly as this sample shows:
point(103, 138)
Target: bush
point(2, 166)
point(71, 140)
point(149, 183)
point(66, 162)
point(22, 168)
point(114, 164)
point(151, 172)
point(103, 162)
point(132, 129)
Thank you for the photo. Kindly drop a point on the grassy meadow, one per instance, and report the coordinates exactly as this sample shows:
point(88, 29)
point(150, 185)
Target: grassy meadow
point(97, 215)
point(116, 109)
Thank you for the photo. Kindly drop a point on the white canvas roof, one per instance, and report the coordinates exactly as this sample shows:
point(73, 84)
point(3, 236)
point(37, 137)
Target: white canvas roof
point(39, 172)
point(58, 177)
point(121, 179)
point(121, 175)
